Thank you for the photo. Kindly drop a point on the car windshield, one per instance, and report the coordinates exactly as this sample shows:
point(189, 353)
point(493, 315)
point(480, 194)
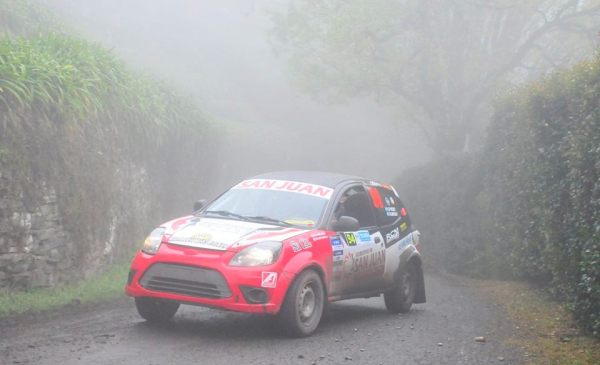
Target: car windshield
point(279, 202)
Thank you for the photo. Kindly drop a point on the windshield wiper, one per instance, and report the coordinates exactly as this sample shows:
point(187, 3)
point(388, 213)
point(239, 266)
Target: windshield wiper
point(269, 219)
point(226, 213)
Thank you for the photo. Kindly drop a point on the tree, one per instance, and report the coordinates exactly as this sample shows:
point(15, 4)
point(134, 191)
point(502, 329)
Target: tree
point(438, 61)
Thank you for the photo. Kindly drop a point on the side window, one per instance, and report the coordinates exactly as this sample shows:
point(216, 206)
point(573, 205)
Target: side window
point(355, 203)
point(388, 208)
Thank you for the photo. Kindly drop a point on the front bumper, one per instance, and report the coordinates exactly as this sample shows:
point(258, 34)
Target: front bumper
point(226, 282)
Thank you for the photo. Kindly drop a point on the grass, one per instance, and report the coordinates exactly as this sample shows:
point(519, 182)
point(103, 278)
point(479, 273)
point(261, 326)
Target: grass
point(544, 328)
point(109, 284)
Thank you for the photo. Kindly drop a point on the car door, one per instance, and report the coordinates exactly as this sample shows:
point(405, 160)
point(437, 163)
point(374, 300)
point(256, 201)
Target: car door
point(394, 224)
point(358, 256)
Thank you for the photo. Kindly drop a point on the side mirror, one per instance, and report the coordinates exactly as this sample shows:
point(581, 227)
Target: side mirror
point(199, 204)
point(345, 224)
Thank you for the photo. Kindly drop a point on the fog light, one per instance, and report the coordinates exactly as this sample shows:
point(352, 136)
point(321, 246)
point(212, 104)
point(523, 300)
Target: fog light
point(254, 295)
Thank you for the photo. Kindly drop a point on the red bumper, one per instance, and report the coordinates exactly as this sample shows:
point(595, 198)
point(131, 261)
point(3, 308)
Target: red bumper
point(235, 277)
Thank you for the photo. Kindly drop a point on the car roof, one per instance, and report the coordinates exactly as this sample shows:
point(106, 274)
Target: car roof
point(328, 179)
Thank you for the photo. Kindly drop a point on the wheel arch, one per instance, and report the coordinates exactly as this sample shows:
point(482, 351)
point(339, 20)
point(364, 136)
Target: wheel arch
point(310, 266)
point(303, 261)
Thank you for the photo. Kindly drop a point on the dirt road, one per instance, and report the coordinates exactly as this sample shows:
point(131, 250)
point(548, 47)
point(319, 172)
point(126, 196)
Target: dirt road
point(359, 331)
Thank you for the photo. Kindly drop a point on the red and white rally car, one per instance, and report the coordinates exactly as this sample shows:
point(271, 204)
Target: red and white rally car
point(283, 243)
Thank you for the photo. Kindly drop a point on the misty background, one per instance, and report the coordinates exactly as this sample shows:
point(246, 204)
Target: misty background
point(221, 54)
point(483, 113)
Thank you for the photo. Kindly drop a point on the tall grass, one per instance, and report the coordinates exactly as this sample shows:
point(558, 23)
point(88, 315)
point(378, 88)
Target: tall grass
point(65, 78)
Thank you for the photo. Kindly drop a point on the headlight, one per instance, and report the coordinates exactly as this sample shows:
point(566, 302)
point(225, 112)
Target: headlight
point(152, 242)
point(259, 254)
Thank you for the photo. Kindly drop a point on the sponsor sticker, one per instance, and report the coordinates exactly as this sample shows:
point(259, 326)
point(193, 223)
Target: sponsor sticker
point(201, 236)
point(200, 243)
point(391, 212)
point(269, 279)
point(295, 246)
point(196, 239)
point(405, 242)
point(403, 227)
point(350, 238)
point(364, 236)
point(318, 236)
point(305, 243)
point(368, 260)
point(392, 236)
point(348, 256)
point(289, 186)
point(376, 197)
point(301, 222)
point(335, 240)
point(338, 252)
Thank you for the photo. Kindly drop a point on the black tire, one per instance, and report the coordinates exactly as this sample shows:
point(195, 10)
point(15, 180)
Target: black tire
point(156, 310)
point(400, 298)
point(303, 306)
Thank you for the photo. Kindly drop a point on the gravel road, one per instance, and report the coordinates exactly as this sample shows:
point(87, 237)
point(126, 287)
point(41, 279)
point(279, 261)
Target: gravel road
point(360, 331)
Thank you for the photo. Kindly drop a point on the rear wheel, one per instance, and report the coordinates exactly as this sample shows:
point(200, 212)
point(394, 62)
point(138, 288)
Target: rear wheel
point(156, 310)
point(400, 298)
point(303, 306)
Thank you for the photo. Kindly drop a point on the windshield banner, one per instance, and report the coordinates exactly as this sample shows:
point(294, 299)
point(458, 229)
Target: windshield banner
point(283, 185)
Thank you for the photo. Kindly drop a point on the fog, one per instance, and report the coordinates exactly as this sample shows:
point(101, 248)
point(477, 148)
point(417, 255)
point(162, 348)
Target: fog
point(482, 95)
point(363, 88)
point(221, 54)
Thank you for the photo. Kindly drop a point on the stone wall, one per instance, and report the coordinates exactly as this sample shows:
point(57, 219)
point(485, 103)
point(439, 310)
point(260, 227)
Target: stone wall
point(42, 245)
point(34, 246)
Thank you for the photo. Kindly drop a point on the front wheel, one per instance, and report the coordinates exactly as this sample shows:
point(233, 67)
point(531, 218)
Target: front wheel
point(401, 297)
point(156, 310)
point(302, 308)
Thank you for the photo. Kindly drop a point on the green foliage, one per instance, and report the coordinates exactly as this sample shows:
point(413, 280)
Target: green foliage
point(528, 205)
point(543, 161)
point(105, 286)
point(69, 79)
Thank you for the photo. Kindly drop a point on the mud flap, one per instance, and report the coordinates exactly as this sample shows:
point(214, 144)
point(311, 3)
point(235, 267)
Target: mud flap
point(420, 294)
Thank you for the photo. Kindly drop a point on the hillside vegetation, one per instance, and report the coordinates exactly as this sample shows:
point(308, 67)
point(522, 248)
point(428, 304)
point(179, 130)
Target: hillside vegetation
point(528, 205)
point(92, 154)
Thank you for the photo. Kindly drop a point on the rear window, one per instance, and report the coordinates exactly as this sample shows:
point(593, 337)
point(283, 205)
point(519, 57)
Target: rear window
point(388, 207)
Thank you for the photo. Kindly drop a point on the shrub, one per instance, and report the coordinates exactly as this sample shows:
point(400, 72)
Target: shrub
point(543, 166)
point(528, 204)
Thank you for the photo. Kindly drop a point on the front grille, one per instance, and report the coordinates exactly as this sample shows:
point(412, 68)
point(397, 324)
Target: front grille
point(186, 280)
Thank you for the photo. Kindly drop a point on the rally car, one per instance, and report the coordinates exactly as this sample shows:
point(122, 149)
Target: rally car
point(283, 243)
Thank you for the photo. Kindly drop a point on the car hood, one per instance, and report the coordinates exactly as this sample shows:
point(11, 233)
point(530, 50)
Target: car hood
point(223, 234)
